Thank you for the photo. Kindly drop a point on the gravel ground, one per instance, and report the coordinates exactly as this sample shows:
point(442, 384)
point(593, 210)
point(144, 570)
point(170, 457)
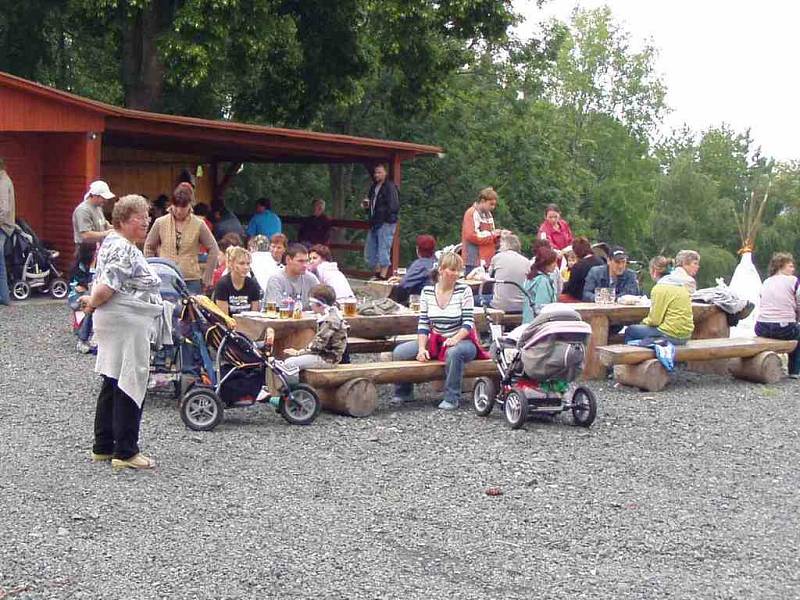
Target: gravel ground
point(688, 493)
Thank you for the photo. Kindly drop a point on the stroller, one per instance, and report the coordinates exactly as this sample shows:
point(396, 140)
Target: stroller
point(214, 367)
point(537, 364)
point(31, 265)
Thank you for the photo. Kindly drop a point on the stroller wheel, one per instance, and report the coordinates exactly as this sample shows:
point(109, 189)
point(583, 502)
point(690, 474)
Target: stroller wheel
point(21, 290)
point(483, 395)
point(58, 288)
point(584, 406)
point(201, 409)
point(302, 407)
point(515, 408)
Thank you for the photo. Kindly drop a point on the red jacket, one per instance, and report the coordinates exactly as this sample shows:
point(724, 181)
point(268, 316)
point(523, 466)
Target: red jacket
point(558, 239)
point(477, 237)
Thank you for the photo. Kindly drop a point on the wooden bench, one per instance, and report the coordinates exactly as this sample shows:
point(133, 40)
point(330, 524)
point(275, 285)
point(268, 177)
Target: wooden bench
point(756, 359)
point(351, 389)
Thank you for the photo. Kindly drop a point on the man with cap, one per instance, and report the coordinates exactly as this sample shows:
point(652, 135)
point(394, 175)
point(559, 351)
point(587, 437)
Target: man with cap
point(7, 227)
point(615, 275)
point(89, 224)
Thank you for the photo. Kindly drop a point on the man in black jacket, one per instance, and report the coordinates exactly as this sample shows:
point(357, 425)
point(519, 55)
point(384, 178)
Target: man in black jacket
point(382, 204)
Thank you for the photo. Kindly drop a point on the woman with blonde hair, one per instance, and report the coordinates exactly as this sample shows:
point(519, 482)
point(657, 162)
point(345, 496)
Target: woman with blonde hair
point(237, 291)
point(670, 316)
point(779, 307)
point(446, 330)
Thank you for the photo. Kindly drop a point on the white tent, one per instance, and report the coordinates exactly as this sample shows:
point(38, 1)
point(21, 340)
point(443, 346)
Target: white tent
point(746, 283)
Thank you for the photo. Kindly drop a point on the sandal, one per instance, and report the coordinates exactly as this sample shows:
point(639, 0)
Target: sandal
point(100, 457)
point(137, 461)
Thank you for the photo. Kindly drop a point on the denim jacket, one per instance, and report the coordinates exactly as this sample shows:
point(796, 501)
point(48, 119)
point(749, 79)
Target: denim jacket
point(597, 277)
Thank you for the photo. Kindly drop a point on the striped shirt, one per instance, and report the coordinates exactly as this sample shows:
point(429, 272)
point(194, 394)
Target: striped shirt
point(448, 320)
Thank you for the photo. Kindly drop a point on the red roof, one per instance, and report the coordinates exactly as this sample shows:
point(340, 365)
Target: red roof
point(214, 139)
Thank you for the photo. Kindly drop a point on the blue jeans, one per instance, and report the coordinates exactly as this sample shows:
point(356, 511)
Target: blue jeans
point(457, 356)
point(641, 332)
point(378, 249)
point(5, 295)
point(776, 331)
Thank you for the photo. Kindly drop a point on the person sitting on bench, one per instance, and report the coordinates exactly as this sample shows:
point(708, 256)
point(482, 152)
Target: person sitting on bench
point(670, 315)
point(418, 274)
point(446, 331)
point(778, 310)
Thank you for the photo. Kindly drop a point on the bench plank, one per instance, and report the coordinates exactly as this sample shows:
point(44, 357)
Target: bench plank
point(409, 371)
point(697, 350)
point(359, 345)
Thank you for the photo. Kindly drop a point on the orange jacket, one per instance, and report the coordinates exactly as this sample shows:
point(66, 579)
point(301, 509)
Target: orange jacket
point(477, 237)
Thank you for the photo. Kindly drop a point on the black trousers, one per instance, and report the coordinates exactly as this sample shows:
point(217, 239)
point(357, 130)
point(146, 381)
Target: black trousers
point(116, 422)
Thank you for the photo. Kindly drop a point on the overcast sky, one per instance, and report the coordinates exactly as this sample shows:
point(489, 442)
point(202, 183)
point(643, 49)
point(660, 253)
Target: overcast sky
point(731, 61)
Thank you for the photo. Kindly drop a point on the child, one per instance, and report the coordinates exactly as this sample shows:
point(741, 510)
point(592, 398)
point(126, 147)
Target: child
point(328, 346)
point(79, 282)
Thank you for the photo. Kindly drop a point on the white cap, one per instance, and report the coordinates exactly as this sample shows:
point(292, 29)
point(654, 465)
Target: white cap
point(100, 188)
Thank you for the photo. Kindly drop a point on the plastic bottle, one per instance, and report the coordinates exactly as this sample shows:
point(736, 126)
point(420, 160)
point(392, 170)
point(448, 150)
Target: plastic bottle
point(298, 308)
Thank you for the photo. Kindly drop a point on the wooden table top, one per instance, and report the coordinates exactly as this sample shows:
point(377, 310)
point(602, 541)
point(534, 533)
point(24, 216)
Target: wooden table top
point(617, 314)
point(371, 327)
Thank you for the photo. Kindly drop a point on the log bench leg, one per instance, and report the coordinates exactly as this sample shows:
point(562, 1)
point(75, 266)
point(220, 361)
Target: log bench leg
point(355, 398)
point(762, 368)
point(594, 369)
point(649, 375)
point(714, 325)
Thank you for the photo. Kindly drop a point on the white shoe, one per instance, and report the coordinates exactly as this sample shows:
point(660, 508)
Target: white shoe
point(83, 347)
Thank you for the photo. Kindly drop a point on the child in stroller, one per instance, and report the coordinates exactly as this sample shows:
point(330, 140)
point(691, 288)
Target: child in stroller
point(537, 366)
point(31, 265)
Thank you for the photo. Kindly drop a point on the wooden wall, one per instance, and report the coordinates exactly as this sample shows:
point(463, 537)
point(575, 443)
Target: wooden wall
point(130, 171)
point(22, 154)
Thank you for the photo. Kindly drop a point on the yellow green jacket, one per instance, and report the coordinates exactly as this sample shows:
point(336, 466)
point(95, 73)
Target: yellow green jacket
point(671, 311)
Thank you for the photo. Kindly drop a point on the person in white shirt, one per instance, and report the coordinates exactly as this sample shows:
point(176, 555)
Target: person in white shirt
point(319, 261)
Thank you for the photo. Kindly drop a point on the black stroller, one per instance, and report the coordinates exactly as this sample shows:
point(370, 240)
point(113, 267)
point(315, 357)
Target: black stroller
point(31, 265)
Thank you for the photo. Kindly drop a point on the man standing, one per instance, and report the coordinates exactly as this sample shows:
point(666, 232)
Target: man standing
point(7, 226)
point(294, 281)
point(478, 235)
point(264, 222)
point(383, 204)
point(89, 224)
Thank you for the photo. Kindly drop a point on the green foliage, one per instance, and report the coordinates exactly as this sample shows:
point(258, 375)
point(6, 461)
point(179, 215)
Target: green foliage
point(567, 118)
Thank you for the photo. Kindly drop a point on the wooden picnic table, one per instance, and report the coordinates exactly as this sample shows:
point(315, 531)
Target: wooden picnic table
point(709, 322)
point(296, 333)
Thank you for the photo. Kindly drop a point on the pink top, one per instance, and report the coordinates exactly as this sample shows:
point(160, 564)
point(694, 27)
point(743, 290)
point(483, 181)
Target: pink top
point(778, 299)
point(558, 238)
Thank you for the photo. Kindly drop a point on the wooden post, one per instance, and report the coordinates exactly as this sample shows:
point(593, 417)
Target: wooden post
point(713, 324)
point(397, 177)
point(594, 368)
point(649, 375)
point(765, 367)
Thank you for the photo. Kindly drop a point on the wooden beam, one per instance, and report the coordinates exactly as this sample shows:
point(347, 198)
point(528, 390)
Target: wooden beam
point(409, 371)
point(219, 191)
point(709, 349)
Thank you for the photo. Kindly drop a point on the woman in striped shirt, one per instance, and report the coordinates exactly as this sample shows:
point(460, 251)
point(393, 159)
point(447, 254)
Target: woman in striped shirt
point(446, 330)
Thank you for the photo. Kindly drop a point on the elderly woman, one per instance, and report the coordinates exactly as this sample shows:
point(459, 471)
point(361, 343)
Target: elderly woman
point(509, 265)
point(179, 235)
point(125, 303)
point(446, 331)
point(779, 306)
point(670, 315)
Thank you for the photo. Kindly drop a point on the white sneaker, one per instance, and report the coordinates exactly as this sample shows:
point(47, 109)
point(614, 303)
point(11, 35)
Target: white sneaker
point(83, 347)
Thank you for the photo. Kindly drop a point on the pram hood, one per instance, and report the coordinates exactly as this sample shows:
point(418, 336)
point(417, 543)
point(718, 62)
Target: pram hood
point(172, 283)
point(553, 322)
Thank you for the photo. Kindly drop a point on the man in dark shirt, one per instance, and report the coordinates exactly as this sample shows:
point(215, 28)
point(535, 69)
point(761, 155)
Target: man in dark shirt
point(316, 228)
point(383, 205)
point(577, 274)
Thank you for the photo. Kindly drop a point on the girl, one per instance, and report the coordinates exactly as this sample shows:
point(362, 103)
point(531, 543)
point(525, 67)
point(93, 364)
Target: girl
point(540, 286)
point(237, 291)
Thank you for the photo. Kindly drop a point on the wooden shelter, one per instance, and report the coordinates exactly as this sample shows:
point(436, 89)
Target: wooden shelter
point(55, 143)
